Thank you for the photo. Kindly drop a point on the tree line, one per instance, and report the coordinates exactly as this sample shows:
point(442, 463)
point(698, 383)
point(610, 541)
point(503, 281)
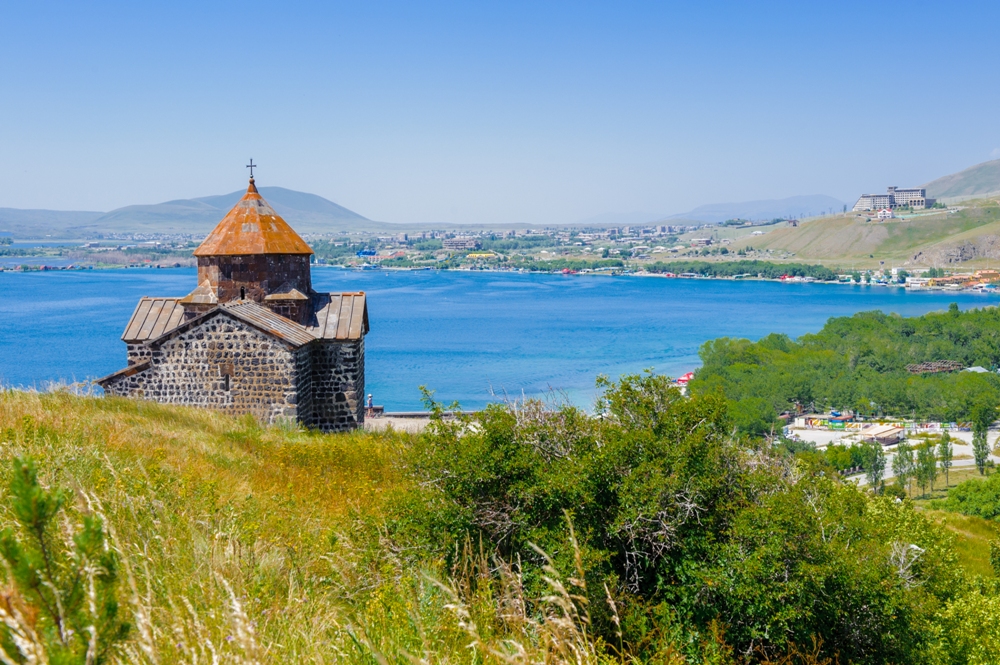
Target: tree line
point(752, 268)
point(859, 363)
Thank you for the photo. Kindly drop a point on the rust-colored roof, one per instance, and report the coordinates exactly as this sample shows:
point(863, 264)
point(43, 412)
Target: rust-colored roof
point(252, 227)
point(153, 317)
point(340, 316)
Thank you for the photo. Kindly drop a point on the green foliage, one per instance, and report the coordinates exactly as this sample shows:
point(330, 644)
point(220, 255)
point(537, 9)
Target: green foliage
point(975, 497)
point(565, 264)
point(946, 454)
point(983, 413)
point(843, 457)
point(63, 589)
point(969, 622)
point(429, 245)
point(531, 242)
point(903, 465)
point(337, 250)
point(250, 544)
point(862, 360)
point(744, 267)
point(873, 461)
point(697, 533)
point(926, 466)
point(754, 416)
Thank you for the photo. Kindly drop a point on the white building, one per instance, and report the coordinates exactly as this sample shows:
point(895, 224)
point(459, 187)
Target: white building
point(885, 213)
point(913, 197)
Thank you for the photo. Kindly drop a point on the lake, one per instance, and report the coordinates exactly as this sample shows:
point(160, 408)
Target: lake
point(466, 335)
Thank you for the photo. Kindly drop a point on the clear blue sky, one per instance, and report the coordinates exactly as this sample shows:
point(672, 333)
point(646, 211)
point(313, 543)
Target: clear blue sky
point(492, 112)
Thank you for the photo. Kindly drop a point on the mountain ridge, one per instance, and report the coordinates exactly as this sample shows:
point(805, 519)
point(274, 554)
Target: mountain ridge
point(309, 213)
point(792, 206)
point(979, 180)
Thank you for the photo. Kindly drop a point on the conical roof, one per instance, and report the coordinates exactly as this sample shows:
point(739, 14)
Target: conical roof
point(252, 227)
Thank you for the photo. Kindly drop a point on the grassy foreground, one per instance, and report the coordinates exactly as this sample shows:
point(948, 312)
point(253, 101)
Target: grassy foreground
point(200, 504)
point(242, 544)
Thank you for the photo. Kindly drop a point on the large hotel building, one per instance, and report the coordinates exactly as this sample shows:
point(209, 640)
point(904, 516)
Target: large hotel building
point(914, 197)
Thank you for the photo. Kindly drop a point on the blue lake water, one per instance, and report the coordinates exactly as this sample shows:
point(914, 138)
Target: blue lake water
point(461, 334)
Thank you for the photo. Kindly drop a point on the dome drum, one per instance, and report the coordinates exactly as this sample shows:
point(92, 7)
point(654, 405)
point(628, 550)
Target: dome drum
point(254, 277)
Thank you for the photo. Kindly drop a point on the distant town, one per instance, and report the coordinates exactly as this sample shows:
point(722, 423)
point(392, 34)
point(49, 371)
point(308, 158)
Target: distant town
point(736, 248)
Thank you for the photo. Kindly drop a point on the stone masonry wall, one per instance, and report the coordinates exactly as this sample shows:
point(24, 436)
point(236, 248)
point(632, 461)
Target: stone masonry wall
point(338, 385)
point(227, 365)
point(137, 353)
point(258, 275)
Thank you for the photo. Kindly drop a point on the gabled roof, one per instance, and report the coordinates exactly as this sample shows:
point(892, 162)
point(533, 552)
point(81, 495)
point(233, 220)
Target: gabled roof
point(340, 316)
point(153, 317)
point(252, 227)
point(267, 321)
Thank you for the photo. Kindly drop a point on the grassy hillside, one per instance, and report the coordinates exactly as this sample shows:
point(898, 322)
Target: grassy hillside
point(926, 238)
point(201, 504)
point(242, 544)
point(976, 181)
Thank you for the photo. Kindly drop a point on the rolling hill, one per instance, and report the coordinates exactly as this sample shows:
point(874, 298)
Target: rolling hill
point(936, 238)
point(976, 181)
point(38, 223)
point(308, 213)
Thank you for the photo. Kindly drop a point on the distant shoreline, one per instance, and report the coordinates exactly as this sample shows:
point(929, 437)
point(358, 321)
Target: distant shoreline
point(589, 273)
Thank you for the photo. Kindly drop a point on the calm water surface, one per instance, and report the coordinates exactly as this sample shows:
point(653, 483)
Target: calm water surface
point(462, 334)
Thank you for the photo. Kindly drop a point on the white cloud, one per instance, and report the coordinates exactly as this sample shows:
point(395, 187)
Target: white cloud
point(995, 153)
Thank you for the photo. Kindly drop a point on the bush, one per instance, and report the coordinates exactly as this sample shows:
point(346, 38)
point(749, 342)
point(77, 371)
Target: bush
point(690, 528)
point(975, 497)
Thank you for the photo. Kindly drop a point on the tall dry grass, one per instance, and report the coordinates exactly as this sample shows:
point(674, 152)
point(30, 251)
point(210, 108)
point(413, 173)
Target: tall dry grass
point(246, 544)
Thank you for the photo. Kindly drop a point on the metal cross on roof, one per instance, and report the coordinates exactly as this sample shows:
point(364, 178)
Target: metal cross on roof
point(251, 166)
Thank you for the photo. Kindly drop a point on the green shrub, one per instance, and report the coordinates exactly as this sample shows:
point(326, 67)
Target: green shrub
point(694, 531)
point(975, 497)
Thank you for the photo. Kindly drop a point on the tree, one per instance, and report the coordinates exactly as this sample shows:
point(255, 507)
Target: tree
point(863, 407)
point(983, 414)
point(946, 453)
point(873, 459)
point(61, 599)
point(926, 470)
point(902, 464)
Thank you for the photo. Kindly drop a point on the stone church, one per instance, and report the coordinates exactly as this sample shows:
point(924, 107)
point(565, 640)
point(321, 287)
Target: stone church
point(253, 337)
